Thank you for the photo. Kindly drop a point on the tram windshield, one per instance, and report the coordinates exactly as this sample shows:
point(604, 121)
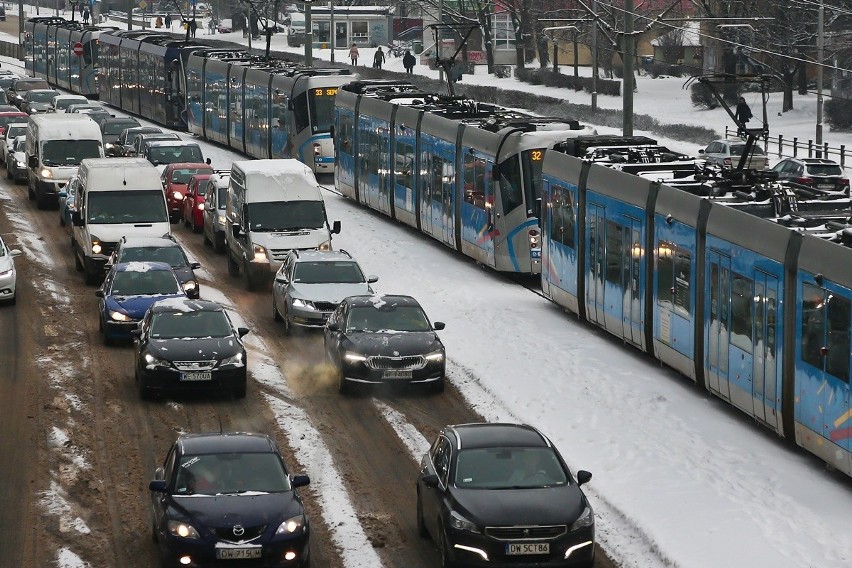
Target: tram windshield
point(322, 108)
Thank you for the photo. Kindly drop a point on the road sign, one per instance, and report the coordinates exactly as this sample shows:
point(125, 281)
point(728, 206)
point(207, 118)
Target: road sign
point(78, 49)
point(143, 4)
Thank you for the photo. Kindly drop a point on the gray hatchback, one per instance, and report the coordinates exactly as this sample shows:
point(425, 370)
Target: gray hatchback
point(311, 284)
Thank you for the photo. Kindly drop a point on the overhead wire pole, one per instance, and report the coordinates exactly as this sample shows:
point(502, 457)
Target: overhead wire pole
point(309, 36)
point(595, 55)
point(820, 61)
point(629, 43)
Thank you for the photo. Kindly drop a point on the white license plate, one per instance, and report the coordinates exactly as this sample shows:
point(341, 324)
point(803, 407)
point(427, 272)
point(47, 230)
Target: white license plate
point(207, 376)
point(396, 375)
point(242, 553)
point(825, 186)
point(514, 549)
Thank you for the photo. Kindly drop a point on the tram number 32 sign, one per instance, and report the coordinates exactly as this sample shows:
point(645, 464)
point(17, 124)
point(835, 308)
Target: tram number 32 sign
point(78, 49)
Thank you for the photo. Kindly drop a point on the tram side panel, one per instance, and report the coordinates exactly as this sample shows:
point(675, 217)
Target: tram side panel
point(196, 95)
point(236, 116)
point(477, 208)
point(257, 103)
point(345, 144)
point(374, 139)
point(216, 100)
point(405, 162)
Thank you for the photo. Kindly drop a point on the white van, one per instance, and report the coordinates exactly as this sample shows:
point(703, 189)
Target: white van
point(273, 207)
point(116, 197)
point(56, 144)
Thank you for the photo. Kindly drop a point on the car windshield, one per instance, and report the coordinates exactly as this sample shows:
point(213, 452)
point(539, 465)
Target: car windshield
point(40, 96)
point(22, 86)
point(222, 200)
point(343, 272)
point(387, 319)
point(69, 152)
point(213, 474)
point(508, 468)
point(183, 175)
point(173, 256)
point(144, 283)
point(6, 120)
point(173, 325)
point(117, 127)
point(285, 215)
point(62, 104)
point(824, 170)
point(16, 130)
point(738, 149)
point(174, 154)
point(108, 207)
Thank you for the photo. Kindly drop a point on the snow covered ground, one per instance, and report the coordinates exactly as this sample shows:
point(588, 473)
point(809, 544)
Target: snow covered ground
point(680, 479)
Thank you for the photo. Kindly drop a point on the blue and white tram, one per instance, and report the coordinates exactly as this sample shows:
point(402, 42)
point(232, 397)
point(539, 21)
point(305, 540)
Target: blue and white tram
point(464, 173)
point(49, 53)
point(758, 314)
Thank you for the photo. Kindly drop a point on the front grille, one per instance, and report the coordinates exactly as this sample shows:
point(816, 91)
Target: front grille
point(382, 363)
point(279, 255)
point(326, 306)
point(195, 365)
point(107, 248)
point(227, 534)
point(526, 533)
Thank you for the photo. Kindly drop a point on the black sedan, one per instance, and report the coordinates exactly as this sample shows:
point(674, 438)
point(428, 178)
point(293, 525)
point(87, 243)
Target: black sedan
point(500, 495)
point(384, 339)
point(224, 498)
point(185, 345)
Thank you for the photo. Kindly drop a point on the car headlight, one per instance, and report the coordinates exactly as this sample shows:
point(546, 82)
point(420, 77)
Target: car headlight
point(190, 285)
point(199, 206)
point(183, 530)
point(46, 173)
point(221, 219)
point(233, 361)
point(587, 519)
point(19, 164)
point(435, 356)
point(118, 316)
point(325, 246)
point(460, 523)
point(291, 526)
point(177, 195)
point(96, 246)
point(354, 357)
point(152, 362)
point(260, 254)
point(299, 303)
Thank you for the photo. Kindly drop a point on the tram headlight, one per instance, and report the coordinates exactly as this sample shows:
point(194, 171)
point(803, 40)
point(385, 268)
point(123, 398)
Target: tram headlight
point(317, 149)
point(535, 238)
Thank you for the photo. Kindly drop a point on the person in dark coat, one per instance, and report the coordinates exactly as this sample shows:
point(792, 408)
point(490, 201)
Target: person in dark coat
point(379, 58)
point(408, 61)
point(86, 16)
point(742, 114)
point(168, 21)
point(192, 27)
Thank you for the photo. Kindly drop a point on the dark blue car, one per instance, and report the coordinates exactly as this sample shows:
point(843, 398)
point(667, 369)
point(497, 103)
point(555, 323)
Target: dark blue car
point(228, 497)
point(128, 291)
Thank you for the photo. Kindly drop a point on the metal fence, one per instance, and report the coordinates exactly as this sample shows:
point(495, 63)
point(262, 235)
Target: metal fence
point(10, 49)
point(795, 148)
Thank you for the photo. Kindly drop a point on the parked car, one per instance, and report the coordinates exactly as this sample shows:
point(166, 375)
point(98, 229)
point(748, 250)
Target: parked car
point(129, 289)
point(819, 173)
point(187, 345)
point(159, 249)
point(38, 100)
point(16, 162)
point(501, 495)
point(112, 128)
point(11, 132)
point(193, 202)
point(124, 145)
point(311, 284)
point(2, 14)
point(8, 275)
point(375, 339)
point(215, 204)
point(227, 497)
point(19, 87)
point(726, 154)
point(175, 177)
point(226, 26)
point(62, 102)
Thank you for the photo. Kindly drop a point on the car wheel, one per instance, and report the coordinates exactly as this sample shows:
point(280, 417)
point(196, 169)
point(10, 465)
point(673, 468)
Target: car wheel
point(275, 314)
point(421, 524)
point(8, 172)
point(438, 386)
point(196, 228)
point(41, 202)
point(240, 391)
point(30, 192)
point(13, 300)
point(78, 266)
point(443, 548)
point(233, 266)
point(206, 239)
point(343, 386)
point(219, 244)
point(144, 391)
point(288, 327)
point(91, 277)
point(155, 538)
point(62, 220)
point(247, 278)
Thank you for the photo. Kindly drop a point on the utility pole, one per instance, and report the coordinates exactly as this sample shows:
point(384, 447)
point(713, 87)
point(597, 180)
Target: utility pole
point(438, 41)
point(820, 61)
point(332, 32)
point(595, 55)
point(629, 58)
point(309, 36)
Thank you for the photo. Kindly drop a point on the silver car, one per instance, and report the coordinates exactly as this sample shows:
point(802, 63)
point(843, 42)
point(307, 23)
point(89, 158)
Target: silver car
point(726, 154)
point(311, 284)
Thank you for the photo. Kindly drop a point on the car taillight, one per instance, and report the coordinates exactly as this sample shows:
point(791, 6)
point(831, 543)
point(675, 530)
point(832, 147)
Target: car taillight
point(843, 182)
point(804, 181)
point(727, 162)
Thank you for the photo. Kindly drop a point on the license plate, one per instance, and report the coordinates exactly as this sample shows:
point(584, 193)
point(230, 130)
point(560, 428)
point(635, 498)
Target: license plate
point(513, 549)
point(242, 553)
point(396, 375)
point(825, 186)
point(207, 376)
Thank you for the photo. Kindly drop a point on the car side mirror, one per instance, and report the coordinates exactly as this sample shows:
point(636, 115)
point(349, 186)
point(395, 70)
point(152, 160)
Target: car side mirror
point(99, 293)
point(137, 333)
point(300, 481)
point(32, 161)
point(158, 485)
point(334, 327)
point(208, 161)
point(372, 279)
point(76, 219)
point(242, 331)
point(438, 325)
point(281, 279)
point(195, 265)
point(335, 228)
point(236, 230)
point(15, 252)
point(701, 151)
point(62, 194)
point(583, 477)
point(430, 480)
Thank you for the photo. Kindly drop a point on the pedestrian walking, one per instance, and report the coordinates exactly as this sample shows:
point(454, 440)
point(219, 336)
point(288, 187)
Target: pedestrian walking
point(408, 61)
point(378, 58)
point(211, 25)
point(353, 54)
point(168, 21)
point(742, 114)
point(192, 27)
point(86, 15)
point(158, 23)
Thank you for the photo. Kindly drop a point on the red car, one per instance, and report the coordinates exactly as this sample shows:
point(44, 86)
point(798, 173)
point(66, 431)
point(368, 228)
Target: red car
point(174, 178)
point(193, 203)
point(7, 118)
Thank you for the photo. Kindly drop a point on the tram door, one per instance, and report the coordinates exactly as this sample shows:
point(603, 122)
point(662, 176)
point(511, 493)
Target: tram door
point(596, 264)
point(631, 314)
point(765, 342)
point(718, 334)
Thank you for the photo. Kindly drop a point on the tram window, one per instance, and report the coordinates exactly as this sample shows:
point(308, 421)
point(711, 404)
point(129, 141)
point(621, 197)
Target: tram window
point(89, 52)
point(404, 164)
point(614, 252)
point(474, 181)
point(300, 111)
point(813, 324)
point(533, 163)
point(665, 274)
point(742, 296)
point(344, 136)
point(437, 176)
point(837, 360)
point(562, 216)
point(511, 190)
point(682, 281)
point(322, 109)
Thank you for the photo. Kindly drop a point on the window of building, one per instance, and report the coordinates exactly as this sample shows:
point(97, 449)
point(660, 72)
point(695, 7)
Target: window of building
point(503, 30)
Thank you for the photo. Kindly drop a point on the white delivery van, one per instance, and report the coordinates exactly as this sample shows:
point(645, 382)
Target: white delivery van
point(116, 197)
point(56, 144)
point(273, 207)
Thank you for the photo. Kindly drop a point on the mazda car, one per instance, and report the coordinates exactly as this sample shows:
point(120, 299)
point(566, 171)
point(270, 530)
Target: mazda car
point(185, 345)
point(501, 495)
point(159, 249)
point(223, 499)
point(129, 289)
point(384, 339)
